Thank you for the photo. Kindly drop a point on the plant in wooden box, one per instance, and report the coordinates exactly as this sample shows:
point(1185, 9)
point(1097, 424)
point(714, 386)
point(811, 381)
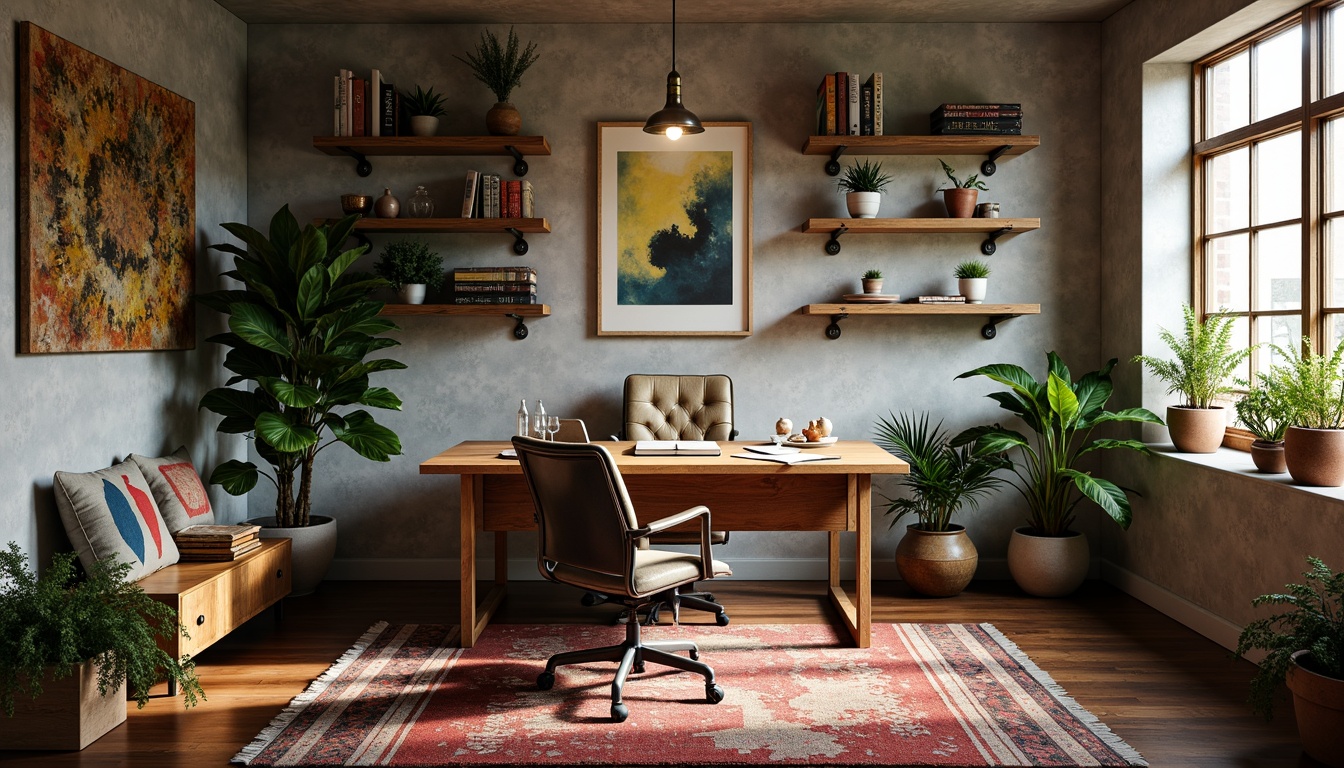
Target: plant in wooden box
point(1204, 365)
point(410, 267)
point(1045, 557)
point(501, 68)
point(301, 329)
point(1311, 387)
point(1305, 647)
point(935, 557)
point(862, 184)
point(872, 281)
point(425, 109)
point(972, 281)
point(70, 644)
point(1264, 414)
point(960, 199)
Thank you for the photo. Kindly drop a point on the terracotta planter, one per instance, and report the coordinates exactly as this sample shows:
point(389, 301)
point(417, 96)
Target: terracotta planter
point(1315, 456)
point(1318, 702)
point(960, 202)
point(313, 549)
point(503, 119)
point(936, 563)
point(872, 285)
point(1048, 566)
point(1196, 430)
point(69, 715)
point(1268, 457)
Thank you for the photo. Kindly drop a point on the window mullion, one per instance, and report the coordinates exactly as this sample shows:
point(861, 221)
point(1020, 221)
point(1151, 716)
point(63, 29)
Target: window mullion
point(1313, 321)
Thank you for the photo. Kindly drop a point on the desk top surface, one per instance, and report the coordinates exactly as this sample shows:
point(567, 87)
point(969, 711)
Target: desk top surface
point(481, 457)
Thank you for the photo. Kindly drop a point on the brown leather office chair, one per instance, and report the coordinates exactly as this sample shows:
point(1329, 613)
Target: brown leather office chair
point(588, 537)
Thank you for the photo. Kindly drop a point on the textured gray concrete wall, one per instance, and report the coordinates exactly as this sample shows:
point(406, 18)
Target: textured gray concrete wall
point(80, 412)
point(466, 375)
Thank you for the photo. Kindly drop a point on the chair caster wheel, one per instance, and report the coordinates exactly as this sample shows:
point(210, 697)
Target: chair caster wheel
point(713, 693)
point(588, 600)
point(638, 669)
point(695, 654)
point(721, 619)
point(619, 712)
point(546, 681)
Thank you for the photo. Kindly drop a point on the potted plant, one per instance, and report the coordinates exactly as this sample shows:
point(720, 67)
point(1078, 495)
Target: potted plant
point(300, 330)
point(1312, 389)
point(863, 183)
point(501, 68)
point(972, 280)
point(410, 267)
point(960, 199)
point(872, 281)
point(71, 644)
point(425, 109)
point(1305, 647)
point(1046, 558)
point(1264, 415)
point(1205, 362)
point(935, 557)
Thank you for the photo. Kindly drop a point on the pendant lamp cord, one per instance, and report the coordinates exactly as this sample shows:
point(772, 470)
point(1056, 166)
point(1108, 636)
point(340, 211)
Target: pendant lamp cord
point(674, 35)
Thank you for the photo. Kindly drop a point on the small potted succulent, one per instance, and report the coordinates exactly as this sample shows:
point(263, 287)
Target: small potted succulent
point(501, 68)
point(872, 281)
point(411, 268)
point(972, 281)
point(960, 199)
point(425, 109)
point(1264, 415)
point(862, 184)
point(1312, 388)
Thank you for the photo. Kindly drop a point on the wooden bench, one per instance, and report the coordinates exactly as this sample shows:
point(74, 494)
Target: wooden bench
point(213, 599)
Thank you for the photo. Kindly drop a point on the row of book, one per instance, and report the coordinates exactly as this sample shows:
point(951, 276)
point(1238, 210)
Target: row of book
point(488, 196)
point(495, 285)
point(959, 119)
point(216, 543)
point(366, 106)
point(936, 300)
point(848, 107)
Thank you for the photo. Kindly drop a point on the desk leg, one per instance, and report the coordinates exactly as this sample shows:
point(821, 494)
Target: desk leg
point(473, 624)
point(856, 613)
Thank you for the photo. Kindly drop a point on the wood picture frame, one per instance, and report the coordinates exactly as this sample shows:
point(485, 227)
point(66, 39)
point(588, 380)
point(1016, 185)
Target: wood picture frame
point(674, 231)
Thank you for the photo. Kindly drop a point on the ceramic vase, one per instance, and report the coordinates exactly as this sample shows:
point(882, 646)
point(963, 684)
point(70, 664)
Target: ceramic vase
point(387, 206)
point(973, 288)
point(412, 293)
point(503, 119)
point(1196, 430)
point(1048, 566)
point(1315, 456)
point(863, 205)
point(960, 202)
point(1318, 702)
point(936, 563)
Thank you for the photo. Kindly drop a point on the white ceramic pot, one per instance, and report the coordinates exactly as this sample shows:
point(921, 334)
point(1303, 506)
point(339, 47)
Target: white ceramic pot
point(1048, 566)
point(863, 205)
point(973, 288)
point(424, 125)
point(313, 547)
point(412, 293)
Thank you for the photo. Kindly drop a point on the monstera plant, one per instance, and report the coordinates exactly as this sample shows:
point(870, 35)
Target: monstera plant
point(300, 331)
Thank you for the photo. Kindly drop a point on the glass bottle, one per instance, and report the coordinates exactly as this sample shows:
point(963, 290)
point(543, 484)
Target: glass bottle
point(539, 421)
point(524, 428)
point(421, 205)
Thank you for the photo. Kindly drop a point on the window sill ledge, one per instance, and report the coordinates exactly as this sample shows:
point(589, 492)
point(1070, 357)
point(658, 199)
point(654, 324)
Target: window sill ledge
point(1239, 463)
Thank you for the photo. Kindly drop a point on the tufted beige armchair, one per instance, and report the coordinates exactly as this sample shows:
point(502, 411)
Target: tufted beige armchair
point(671, 407)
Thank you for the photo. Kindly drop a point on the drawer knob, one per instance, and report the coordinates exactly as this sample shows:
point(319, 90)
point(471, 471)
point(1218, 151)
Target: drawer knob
point(279, 573)
point(200, 620)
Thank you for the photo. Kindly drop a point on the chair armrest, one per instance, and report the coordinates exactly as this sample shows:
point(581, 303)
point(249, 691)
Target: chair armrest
point(702, 512)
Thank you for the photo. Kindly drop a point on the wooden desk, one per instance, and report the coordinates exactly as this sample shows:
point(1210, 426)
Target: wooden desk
point(742, 495)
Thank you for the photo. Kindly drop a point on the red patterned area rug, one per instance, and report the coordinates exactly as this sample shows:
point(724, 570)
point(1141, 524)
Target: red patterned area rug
point(924, 694)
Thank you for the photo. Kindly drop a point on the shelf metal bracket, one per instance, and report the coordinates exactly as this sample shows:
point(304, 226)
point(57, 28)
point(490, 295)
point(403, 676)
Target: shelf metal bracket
point(519, 330)
point(988, 247)
point(833, 330)
point(833, 165)
point(988, 167)
point(519, 164)
point(519, 242)
point(833, 245)
point(990, 328)
point(362, 165)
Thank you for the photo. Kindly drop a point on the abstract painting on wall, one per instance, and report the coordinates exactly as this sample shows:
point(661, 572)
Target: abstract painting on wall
point(674, 231)
point(107, 204)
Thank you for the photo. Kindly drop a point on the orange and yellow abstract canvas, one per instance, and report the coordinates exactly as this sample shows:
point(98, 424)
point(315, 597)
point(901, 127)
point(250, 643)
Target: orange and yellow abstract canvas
point(107, 204)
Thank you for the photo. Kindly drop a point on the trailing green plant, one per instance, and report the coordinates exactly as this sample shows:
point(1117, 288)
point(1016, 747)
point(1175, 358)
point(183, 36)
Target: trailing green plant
point(423, 102)
point(971, 269)
point(1262, 411)
point(864, 176)
point(409, 262)
point(1313, 622)
point(1061, 415)
point(1311, 386)
point(1205, 360)
point(500, 67)
point(873, 274)
point(59, 621)
point(971, 182)
point(301, 330)
point(942, 479)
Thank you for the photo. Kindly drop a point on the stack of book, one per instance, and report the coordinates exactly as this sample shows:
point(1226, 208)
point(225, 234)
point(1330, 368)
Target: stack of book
point(365, 106)
point(216, 543)
point(848, 106)
point(495, 285)
point(936, 300)
point(487, 196)
point(955, 119)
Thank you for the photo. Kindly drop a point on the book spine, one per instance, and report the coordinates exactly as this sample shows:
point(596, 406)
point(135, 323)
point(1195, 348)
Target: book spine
point(497, 287)
point(398, 123)
point(878, 105)
point(375, 94)
point(854, 116)
point(841, 103)
point(1017, 106)
point(496, 276)
point(826, 105)
point(515, 199)
point(494, 195)
point(336, 105)
point(977, 122)
point(469, 194)
point(502, 299)
point(387, 110)
point(357, 106)
point(941, 113)
point(347, 105)
point(529, 209)
point(866, 111)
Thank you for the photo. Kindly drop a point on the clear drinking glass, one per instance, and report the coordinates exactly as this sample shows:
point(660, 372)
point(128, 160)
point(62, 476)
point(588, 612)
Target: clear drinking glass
point(552, 426)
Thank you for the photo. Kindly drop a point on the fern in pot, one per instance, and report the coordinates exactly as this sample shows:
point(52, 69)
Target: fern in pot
point(1311, 386)
point(1264, 414)
point(863, 183)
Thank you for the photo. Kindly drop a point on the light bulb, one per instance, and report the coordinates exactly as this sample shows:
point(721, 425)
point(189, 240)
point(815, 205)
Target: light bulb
point(674, 132)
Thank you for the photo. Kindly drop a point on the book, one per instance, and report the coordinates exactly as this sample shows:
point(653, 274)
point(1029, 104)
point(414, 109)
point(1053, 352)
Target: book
point(469, 194)
point(787, 458)
point(357, 106)
point(854, 106)
point(516, 286)
point(388, 110)
point(494, 274)
point(875, 83)
point(529, 209)
point(677, 448)
point(336, 105)
point(976, 123)
point(375, 93)
point(866, 110)
point(826, 106)
point(500, 298)
point(219, 555)
point(1017, 106)
point(841, 103)
point(936, 300)
point(216, 533)
point(347, 104)
point(515, 199)
point(945, 113)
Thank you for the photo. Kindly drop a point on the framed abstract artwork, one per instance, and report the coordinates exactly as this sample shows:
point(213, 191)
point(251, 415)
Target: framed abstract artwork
point(107, 204)
point(674, 232)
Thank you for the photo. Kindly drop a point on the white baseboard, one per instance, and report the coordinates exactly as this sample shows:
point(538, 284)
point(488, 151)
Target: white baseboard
point(1197, 618)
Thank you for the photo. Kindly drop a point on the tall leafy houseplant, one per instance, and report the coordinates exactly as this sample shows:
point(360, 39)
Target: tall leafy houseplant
point(1312, 388)
point(501, 68)
point(301, 331)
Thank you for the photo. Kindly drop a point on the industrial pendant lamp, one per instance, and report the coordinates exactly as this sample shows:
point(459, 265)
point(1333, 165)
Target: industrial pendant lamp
point(673, 119)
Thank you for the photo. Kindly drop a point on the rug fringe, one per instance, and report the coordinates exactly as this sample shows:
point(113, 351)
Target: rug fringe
point(1102, 731)
point(297, 704)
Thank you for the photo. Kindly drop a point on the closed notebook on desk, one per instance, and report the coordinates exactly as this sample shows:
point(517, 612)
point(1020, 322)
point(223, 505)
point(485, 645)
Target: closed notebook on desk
point(677, 448)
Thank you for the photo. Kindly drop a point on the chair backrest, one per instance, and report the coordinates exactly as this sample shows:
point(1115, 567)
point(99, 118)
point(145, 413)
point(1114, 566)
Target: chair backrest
point(672, 407)
point(583, 511)
point(572, 431)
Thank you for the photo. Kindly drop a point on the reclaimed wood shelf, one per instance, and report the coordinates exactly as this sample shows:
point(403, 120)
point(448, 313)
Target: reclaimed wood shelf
point(515, 311)
point(361, 148)
point(407, 226)
point(995, 228)
point(996, 313)
point(995, 146)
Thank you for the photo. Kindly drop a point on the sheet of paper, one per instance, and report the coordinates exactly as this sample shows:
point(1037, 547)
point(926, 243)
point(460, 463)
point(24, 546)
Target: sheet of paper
point(790, 458)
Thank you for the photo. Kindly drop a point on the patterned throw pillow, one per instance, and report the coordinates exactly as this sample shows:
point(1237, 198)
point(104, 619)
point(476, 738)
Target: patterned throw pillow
point(111, 513)
point(177, 489)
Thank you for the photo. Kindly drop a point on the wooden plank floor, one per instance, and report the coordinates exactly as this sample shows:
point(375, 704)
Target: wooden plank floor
point(1173, 695)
